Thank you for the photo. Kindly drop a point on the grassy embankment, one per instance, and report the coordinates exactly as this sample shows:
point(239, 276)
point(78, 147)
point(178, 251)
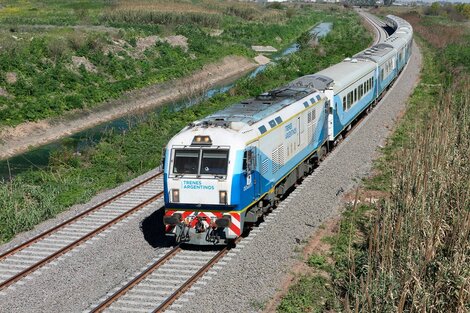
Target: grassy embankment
point(410, 252)
point(62, 56)
point(37, 195)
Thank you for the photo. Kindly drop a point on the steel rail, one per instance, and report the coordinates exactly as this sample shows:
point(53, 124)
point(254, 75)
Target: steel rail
point(372, 21)
point(74, 219)
point(103, 305)
point(187, 284)
point(154, 267)
point(77, 242)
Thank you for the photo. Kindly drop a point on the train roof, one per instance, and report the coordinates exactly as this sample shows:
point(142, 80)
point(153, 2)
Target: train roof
point(339, 76)
point(251, 111)
point(377, 53)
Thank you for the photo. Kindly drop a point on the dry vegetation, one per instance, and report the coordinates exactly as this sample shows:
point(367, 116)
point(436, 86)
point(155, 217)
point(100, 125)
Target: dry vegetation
point(416, 253)
point(410, 252)
point(163, 6)
point(439, 35)
point(207, 12)
point(419, 247)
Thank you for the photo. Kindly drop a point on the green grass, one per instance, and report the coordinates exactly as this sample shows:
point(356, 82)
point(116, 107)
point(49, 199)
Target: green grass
point(49, 86)
point(37, 195)
point(319, 262)
point(309, 294)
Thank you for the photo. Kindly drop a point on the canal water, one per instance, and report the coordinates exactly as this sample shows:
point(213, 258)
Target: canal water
point(39, 157)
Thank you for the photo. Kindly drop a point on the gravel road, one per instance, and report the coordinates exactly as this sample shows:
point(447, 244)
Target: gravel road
point(251, 273)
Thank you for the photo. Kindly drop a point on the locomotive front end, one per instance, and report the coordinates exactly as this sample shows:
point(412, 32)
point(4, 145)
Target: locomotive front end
point(198, 171)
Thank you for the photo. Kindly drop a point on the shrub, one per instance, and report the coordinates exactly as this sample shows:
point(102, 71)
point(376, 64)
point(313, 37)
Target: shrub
point(76, 40)
point(56, 48)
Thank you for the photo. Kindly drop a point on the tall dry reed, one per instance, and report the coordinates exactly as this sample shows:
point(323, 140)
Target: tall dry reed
point(418, 245)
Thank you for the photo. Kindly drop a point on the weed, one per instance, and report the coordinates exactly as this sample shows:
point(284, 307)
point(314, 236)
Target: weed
point(317, 261)
point(415, 249)
point(309, 294)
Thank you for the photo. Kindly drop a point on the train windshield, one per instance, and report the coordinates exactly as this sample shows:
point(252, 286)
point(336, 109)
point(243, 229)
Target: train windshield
point(214, 162)
point(200, 162)
point(186, 162)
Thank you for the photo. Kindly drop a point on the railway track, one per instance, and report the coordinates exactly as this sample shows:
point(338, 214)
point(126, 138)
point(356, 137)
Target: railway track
point(378, 26)
point(163, 282)
point(159, 285)
point(35, 253)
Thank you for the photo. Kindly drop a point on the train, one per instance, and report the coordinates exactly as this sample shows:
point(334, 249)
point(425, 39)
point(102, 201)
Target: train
point(224, 172)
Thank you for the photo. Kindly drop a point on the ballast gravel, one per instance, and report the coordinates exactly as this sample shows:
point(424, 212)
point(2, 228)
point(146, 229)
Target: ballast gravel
point(250, 273)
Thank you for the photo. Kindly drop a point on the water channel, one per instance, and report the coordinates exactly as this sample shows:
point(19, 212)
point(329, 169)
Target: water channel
point(39, 157)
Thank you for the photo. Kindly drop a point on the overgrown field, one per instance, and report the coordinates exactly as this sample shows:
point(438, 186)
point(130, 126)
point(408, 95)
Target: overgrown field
point(410, 252)
point(37, 195)
point(60, 56)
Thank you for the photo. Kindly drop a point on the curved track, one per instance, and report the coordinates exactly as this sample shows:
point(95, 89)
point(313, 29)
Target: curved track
point(377, 24)
point(33, 254)
point(157, 287)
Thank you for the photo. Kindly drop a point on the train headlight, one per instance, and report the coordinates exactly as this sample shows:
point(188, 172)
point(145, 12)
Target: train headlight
point(201, 141)
point(222, 197)
point(175, 195)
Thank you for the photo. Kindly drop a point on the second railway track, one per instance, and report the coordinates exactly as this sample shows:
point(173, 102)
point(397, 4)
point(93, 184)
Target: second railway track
point(35, 253)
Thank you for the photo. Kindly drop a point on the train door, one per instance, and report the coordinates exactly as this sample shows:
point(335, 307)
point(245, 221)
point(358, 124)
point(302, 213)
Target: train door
point(324, 119)
point(300, 128)
point(250, 167)
point(257, 183)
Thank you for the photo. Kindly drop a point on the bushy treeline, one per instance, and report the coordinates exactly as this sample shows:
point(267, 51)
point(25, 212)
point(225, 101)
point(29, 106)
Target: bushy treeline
point(457, 12)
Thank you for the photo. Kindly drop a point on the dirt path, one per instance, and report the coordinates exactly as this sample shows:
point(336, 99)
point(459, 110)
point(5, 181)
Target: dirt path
point(21, 138)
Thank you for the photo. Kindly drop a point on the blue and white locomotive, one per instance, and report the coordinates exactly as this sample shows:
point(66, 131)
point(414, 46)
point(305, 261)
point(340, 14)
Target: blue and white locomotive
point(225, 171)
